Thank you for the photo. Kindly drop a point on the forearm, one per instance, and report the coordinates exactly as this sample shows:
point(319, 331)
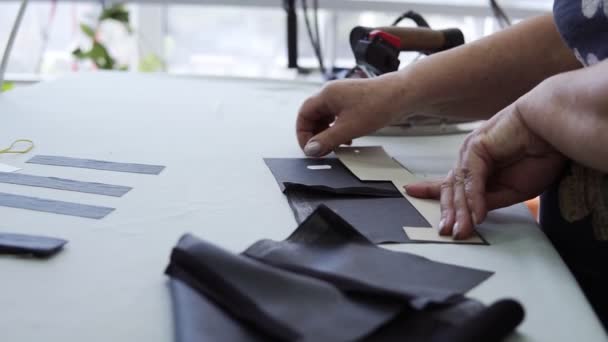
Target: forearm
point(575, 118)
point(480, 78)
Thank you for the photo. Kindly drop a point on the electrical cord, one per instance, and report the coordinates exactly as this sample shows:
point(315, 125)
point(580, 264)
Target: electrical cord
point(501, 17)
point(314, 37)
point(414, 16)
point(419, 20)
point(315, 12)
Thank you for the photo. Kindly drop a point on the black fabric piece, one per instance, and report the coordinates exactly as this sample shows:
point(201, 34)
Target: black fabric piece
point(294, 173)
point(328, 247)
point(381, 220)
point(492, 324)
point(198, 319)
point(37, 246)
point(376, 209)
point(284, 304)
point(432, 324)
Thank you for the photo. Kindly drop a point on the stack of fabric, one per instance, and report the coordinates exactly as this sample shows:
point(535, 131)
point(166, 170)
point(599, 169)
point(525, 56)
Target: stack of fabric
point(327, 282)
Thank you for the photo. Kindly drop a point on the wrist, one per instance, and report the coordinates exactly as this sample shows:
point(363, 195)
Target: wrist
point(400, 95)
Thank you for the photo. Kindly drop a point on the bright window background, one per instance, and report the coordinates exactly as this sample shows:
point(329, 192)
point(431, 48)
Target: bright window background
point(194, 39)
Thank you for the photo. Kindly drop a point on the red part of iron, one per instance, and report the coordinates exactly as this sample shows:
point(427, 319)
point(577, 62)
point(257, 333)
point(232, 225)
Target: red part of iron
point(387, 37)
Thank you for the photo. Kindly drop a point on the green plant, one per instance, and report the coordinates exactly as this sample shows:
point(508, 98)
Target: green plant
point(99, 54)
point(6, 86)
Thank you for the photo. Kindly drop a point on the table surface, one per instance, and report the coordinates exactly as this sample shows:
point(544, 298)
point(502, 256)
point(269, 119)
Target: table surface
point(108, 283)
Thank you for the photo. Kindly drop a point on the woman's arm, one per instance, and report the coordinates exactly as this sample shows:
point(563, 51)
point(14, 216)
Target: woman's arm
point(479, 79)
point(576, 121)
point(475, 80)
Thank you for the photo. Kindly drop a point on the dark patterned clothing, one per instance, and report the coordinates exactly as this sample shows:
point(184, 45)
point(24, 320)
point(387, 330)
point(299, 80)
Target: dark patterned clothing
point(574, 212)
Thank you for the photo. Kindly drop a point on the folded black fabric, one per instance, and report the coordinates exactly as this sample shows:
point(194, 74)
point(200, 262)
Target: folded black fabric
point(328, 247)
point(464, 321)
point(199, 319)
point(491, 324)
point(34, 245)
point(284, 304)
point(376, 209)
point(326, 282)
point(432, 324)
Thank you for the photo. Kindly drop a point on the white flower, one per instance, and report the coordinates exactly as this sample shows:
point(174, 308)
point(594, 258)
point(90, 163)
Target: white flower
point(592, 59)
point(590, 7)
point(589, 61)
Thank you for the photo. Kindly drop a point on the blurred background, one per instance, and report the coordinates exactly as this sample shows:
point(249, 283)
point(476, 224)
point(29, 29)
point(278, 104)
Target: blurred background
point(233, 38)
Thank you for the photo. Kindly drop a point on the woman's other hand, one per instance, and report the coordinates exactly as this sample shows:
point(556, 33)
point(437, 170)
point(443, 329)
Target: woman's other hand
point(501, 163)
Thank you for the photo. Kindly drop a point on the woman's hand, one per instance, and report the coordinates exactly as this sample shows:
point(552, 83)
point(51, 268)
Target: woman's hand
point(518, 153)
point(345, 110)
point(500, 164)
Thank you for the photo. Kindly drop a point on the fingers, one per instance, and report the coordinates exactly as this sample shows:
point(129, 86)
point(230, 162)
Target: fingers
point(328, 139)
point(446, 204)
point(314, 116)
point(316, 130)
point(463, 192)
point(425, 189)
point(475, 166)
point(463, 227)
point(456, 216)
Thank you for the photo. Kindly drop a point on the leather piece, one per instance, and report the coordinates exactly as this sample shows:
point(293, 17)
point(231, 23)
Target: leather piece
point(376, 209)
point(432, 324)
point(325, 282)
point(199, 319)
point(283, 304)
point(492, 324)
point(38, 246)
point(294, 173)
point(381, 220)
point(327, 247)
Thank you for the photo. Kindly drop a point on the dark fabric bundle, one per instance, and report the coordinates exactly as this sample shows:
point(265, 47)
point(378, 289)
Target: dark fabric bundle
point(326, 282)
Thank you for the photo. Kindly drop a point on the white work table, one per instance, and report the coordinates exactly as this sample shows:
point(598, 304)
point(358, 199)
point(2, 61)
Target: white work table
point(108, 283)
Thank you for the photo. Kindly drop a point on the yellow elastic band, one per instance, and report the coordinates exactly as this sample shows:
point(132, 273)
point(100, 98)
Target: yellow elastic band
point(11, 149)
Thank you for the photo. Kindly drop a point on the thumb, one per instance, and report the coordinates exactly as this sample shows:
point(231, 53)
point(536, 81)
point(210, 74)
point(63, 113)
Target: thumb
point(327, 140)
